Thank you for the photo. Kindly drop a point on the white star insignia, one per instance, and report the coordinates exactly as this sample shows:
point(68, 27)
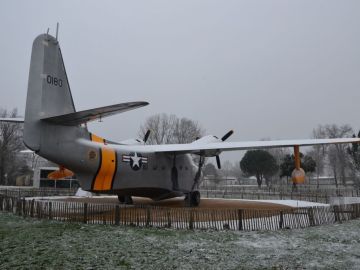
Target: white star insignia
point(136, 160)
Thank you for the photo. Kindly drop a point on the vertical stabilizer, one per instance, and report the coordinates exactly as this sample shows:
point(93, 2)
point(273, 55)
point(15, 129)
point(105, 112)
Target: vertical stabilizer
point(48, 88)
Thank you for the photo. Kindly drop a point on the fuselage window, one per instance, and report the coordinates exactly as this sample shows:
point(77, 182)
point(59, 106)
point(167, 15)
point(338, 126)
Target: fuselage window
point(181, 167)
point(155, 168)
point(163, 168)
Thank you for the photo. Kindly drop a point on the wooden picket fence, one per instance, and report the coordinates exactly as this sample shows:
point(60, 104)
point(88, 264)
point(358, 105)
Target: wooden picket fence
point(178, 218)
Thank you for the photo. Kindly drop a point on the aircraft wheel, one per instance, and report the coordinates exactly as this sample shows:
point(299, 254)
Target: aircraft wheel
point(125, 199)
point(128, 200)
point(195, 198)
point(121, 199)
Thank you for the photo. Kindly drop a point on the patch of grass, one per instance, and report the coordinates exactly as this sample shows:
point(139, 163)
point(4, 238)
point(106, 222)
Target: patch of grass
point(27, 243)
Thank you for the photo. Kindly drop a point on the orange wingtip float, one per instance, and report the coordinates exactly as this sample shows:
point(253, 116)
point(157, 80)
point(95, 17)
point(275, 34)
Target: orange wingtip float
point(298, 174)
point(62, 173)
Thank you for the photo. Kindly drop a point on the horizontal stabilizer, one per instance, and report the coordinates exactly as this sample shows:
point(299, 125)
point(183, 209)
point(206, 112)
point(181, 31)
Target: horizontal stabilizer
point(12, 120)
point(77, 118)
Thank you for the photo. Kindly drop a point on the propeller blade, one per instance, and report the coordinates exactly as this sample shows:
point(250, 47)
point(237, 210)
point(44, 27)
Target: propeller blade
point(227, 135)
point(218, 162)
point(147, 134)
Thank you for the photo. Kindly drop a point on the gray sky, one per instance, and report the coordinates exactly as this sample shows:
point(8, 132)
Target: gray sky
point(273, 69)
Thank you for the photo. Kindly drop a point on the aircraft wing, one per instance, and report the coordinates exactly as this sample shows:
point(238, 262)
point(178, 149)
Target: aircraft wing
point(211, 149)
point(77, 118)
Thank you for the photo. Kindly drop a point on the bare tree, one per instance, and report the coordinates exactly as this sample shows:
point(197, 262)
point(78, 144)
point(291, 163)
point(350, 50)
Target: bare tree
point(167, 129)
point(318, 152)
point(338, 158)
point(10, 145)
point(278, 154)
point(227, 169)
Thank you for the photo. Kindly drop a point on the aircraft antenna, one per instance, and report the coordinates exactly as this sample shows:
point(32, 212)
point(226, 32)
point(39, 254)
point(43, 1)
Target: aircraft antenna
point(47, 32)
point(57, 30)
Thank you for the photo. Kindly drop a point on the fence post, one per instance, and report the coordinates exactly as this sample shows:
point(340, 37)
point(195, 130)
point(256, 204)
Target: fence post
point(9, 204)
point(32, 208)
point(281, 222)
point(5, 204)
point(40, 209)
point(148, 217)
point(169, 219)
point(191, 220)
point(311, 216)
point(353, 211)
point(17, 207)
point(117, 215)
point(85, 212)
point(240, 218)
point(50, 210)
point(1, 202)
point(24, 208)
point(13, 204)
point(336, 213)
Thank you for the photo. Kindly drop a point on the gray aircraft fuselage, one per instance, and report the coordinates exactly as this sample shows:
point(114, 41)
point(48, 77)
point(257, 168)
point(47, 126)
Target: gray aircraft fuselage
point(107, 170)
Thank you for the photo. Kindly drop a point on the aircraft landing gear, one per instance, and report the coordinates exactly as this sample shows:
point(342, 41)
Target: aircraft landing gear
point(125, 199)
point(193, 199)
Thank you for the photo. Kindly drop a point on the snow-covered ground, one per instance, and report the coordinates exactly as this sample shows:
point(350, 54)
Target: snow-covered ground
point(291, 203)
point(31, 243)
point(82, 193)
point(294, 203)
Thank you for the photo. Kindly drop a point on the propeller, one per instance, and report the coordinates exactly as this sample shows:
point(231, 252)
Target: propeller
point(147, 134)
point(227, 135)
point(218, 162)
point(224, 138)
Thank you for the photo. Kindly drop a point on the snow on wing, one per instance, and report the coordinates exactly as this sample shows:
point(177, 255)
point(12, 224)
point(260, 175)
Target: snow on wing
point(229, 146)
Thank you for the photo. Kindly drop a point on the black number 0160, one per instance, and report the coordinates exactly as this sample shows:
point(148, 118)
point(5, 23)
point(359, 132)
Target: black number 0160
point(54, 81)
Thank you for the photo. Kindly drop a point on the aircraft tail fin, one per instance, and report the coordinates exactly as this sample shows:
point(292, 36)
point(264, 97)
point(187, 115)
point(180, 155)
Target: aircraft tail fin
point(48, 88)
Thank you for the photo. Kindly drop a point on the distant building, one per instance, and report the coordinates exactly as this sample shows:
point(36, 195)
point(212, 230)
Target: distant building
point(212, 181)
point(41, 179)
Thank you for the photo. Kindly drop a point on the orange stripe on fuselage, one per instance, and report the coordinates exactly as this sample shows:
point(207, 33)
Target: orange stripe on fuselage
point(105, 174)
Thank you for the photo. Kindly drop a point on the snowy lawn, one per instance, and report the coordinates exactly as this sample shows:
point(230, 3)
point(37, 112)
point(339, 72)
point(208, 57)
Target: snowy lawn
point(40, 244)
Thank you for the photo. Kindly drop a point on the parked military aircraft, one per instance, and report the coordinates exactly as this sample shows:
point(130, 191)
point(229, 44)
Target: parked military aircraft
point(56, 131)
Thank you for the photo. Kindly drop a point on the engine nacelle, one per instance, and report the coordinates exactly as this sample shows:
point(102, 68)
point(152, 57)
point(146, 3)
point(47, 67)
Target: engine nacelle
point(207, 139)
point(298, 176)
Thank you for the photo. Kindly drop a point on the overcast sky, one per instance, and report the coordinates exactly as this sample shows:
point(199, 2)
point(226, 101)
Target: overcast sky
point(267, 69)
